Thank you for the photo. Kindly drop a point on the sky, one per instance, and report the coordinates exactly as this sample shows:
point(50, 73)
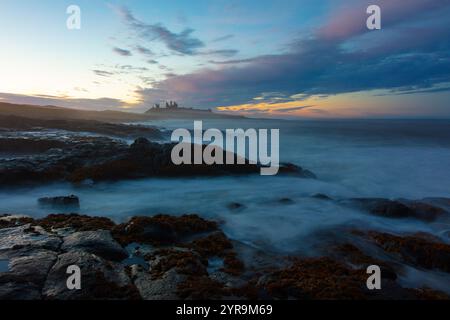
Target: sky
point(284, 58)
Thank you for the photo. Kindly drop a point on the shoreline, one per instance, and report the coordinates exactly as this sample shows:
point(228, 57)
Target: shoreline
point(165, 258)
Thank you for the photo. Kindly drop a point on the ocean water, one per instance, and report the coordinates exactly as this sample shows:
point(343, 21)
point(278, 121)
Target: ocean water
point(372, 158)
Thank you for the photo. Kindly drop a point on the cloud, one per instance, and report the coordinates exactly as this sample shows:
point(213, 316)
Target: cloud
point(236, 61)
point(341, 56)
point(223, 38)
point(103, 73)
point(145, 51)
point(223, 53)
point(182, 43)
point(122, 52)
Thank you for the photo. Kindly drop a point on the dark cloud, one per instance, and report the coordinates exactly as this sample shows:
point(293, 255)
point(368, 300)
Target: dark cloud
point(291, 109)
point(122, 52)
point(223, 38)
point(236, 61)
point(223, 52)
point(182, 43)
point(342, 56)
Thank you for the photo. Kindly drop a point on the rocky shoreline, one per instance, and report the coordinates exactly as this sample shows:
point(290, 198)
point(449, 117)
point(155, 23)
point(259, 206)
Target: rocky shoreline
point(187, 257)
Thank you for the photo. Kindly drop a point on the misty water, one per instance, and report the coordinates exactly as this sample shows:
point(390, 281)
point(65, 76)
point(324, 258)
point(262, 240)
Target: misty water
point(371, 158)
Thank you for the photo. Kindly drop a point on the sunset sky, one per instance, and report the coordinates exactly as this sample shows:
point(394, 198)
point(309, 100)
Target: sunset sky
point(284, 58)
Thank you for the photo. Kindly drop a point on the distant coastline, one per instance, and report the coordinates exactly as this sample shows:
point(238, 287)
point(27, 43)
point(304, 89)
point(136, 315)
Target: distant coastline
point(60, 113)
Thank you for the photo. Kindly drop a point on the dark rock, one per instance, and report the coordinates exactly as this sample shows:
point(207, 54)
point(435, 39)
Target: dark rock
point(424, 211)
point(161, 229)
point(101, 279)
point(75, 222)
point(292, 169)
point(9, 221)
point(59, 202)
point(415, 249)
point(381, 207)
point(396, 208)
point(286, 201)
point(98, 242)
point(163, 288)
point(235, 206)
point(26, 238)
point(32, 267)
point(321, 196)
point(112, 129)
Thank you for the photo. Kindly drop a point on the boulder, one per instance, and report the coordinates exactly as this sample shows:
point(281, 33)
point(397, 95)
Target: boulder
point(98, 242)
point(71, 201)
point(26, 238)
point(100, 279)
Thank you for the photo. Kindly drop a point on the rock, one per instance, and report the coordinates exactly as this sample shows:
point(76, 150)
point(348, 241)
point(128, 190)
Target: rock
point(100, 279)
point(9, 221)
point(104, 159)
point(19, 291)
point(424, 211)
point(163, 288)
point(27, 238)
point(33, 267)
point(292, 169)
point(353, 256)
point(286, 201)
point(321, 196)
point(415, 249)
point(78, 125)
point(98, 242)
point(27, 146)
point(401, 208)
point(161, 229)
point(381, 207)
point(235, 206)
point(60, 202)
point(75, 222)
point(315, 278)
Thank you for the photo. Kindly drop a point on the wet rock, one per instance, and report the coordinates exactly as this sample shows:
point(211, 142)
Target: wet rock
point(292, 169)
point(98, 242)
point(104, 159)
point(32, 267)
point(9, 221)
point(161, 229)
point(236, 206)
point(416, 250)
point(381, 207)
point(101, 279)
point(113, 129)
point(26, 238)
point(163, 288)
point(401, 208)
point(424, 211)
point(27, 146)
point(353, 256)
point(321, 196)
point(19, 291)
point(183, 261)
point(318, 278)
point(286, 201)
point(218, 245)
point(202, 288)
point(71, 201)
point(75, 222)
